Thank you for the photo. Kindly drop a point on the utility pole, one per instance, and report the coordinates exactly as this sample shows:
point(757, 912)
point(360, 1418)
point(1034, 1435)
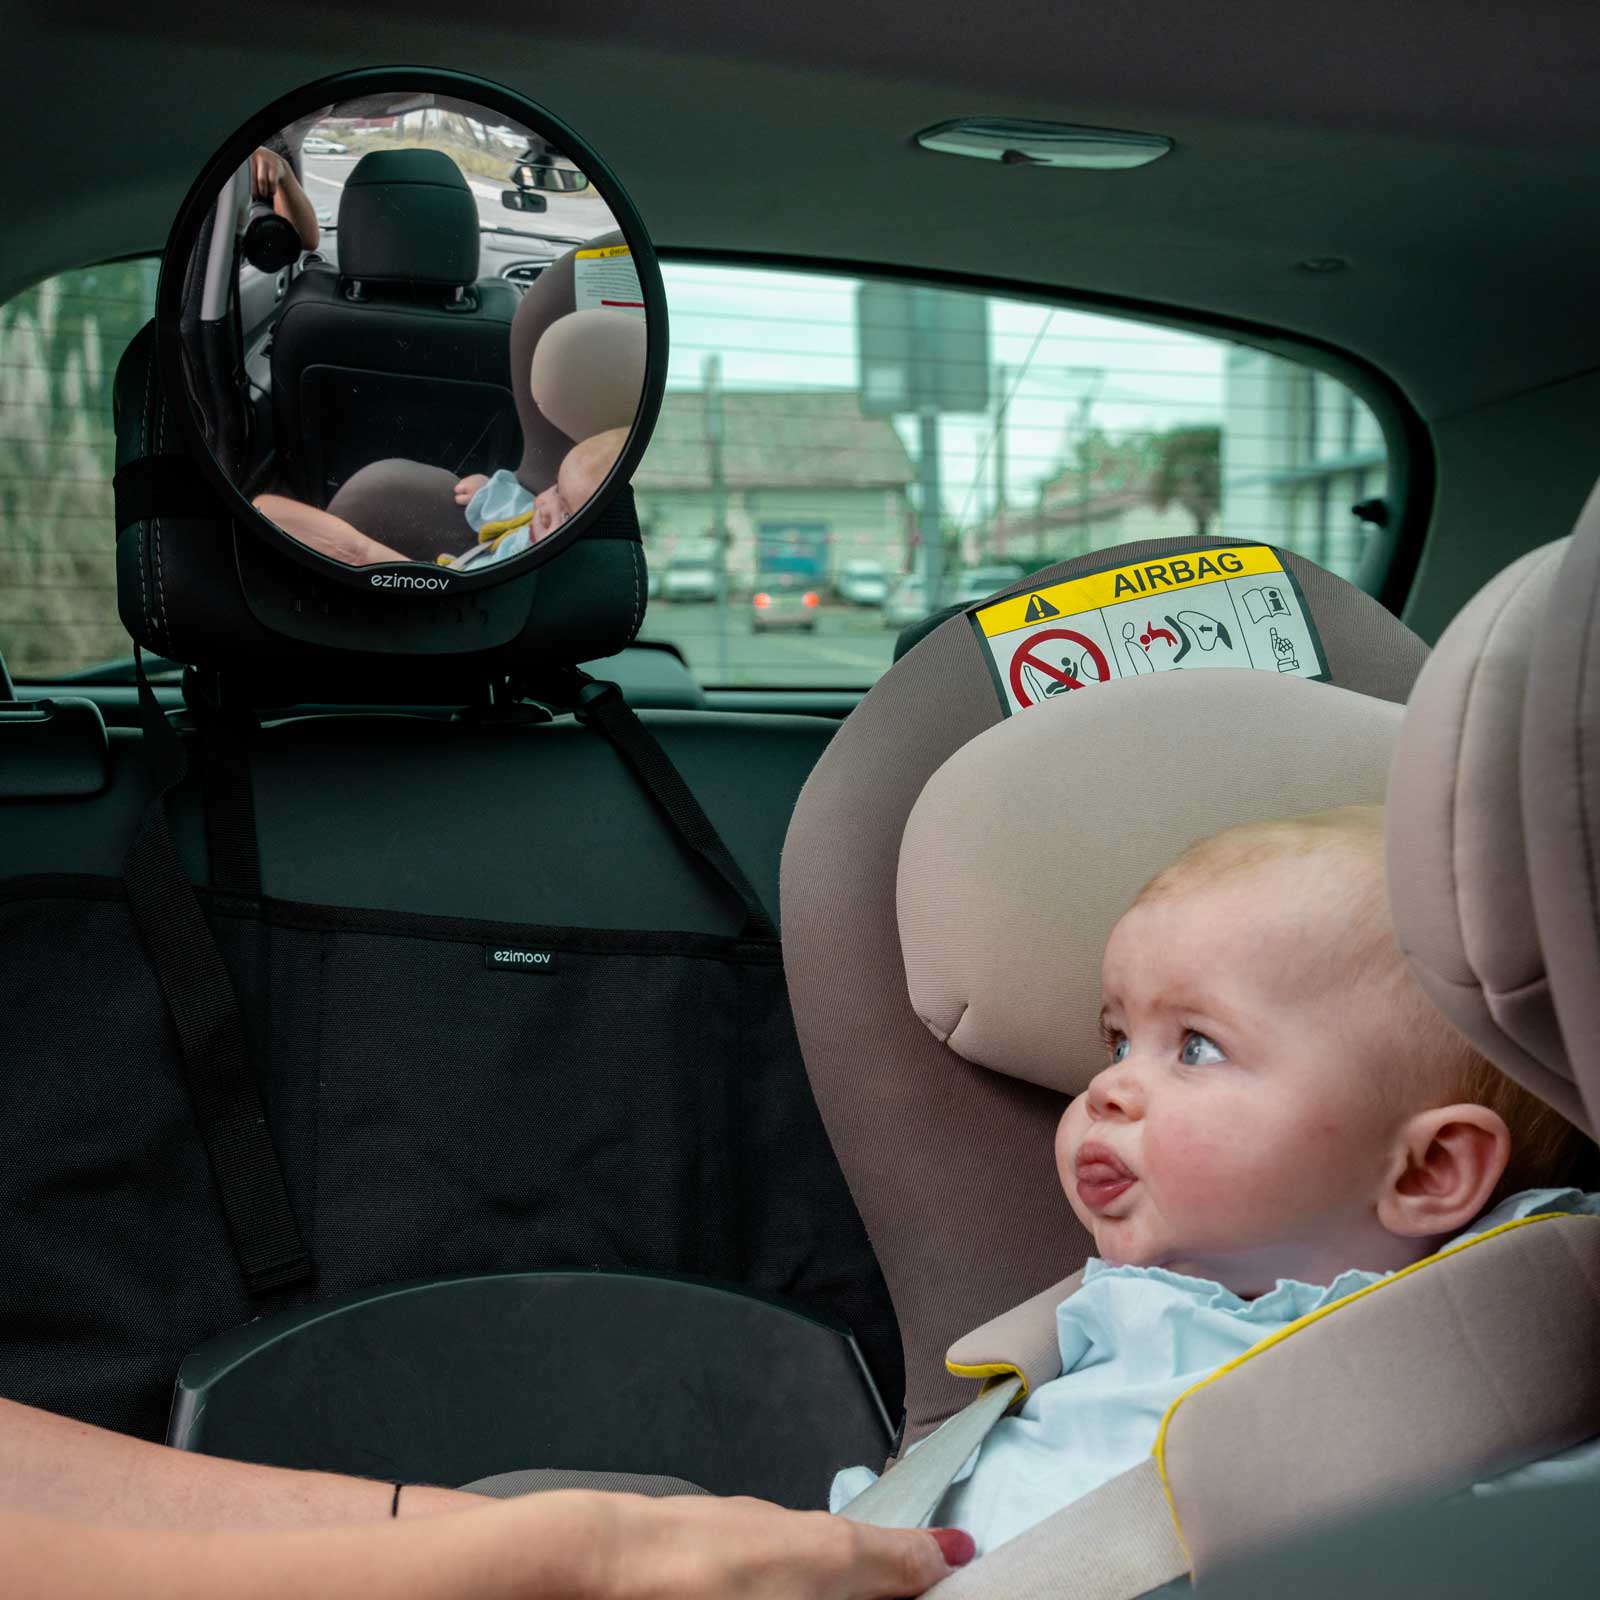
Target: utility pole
point(711, 379)
point(1002, 379)
point(922, 310)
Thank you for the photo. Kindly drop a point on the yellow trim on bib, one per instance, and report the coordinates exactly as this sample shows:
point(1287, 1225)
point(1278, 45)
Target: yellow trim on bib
point(992, 1373)
point(1159, 1449)
point(498, 530)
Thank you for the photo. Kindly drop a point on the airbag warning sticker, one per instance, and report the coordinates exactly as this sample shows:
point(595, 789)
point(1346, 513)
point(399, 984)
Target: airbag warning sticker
point(604, 278)
point(1233, 606)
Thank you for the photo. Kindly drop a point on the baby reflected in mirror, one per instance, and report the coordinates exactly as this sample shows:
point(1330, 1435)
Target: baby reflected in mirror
point(506, 517)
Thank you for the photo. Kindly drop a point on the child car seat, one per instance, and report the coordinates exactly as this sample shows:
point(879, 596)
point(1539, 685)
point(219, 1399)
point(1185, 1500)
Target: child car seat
point(1014, 857)
point(410, 505)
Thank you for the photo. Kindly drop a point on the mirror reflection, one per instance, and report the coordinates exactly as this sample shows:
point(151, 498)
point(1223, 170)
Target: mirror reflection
point(413, 332)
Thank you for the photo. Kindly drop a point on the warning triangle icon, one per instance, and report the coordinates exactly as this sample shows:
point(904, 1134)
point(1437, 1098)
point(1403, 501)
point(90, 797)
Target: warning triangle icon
point(1039, 608)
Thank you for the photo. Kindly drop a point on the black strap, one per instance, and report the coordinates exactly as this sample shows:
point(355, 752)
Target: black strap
point(602, 707)
point(162, 486)
point(230, 804)
point(205, 1014)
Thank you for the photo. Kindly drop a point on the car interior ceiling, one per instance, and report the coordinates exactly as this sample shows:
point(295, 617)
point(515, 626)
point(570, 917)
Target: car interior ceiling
point(1445, 171)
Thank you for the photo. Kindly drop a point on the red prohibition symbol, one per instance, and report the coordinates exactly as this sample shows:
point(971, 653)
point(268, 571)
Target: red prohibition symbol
point(1025, 657)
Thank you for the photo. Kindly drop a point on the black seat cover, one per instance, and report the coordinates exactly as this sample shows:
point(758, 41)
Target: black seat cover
point(400, 351)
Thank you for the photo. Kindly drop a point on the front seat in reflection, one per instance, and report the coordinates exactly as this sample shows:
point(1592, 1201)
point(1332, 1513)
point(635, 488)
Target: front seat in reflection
point(400, 350)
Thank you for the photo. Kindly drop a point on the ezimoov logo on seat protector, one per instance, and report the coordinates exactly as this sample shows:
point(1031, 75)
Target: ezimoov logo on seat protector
point(508, 958)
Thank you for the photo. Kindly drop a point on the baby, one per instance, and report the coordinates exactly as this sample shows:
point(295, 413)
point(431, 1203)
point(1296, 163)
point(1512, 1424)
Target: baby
point(1283, 1117)
point(507, 518)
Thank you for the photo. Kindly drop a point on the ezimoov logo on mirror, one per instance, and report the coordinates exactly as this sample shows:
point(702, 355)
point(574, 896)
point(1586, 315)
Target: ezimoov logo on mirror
point(404, 580)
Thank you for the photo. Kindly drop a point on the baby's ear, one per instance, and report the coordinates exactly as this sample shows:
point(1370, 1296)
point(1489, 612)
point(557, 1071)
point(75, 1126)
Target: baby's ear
point(1448, 1162)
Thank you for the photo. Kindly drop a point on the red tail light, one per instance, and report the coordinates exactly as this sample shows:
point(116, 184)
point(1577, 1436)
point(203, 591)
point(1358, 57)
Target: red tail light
point(762, 601)
point(811, 598)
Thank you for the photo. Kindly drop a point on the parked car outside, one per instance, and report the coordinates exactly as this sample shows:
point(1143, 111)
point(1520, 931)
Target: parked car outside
point(978, 583)
point(862, 583)
point(317, 145)
point(691, 576)
point(907, 602)
point(784, 605)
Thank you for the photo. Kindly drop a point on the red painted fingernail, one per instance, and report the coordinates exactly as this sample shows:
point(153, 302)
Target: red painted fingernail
point(955, 1546)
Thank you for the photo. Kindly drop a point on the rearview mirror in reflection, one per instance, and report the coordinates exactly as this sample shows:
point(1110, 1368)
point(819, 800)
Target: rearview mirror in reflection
point(523, 200)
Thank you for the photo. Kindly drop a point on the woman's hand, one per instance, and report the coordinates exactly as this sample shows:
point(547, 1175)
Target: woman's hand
point(678, 1547)
point(469, 486)
point(267, 168)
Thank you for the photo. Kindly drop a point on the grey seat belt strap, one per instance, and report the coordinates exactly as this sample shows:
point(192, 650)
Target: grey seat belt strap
point(907, 1495)
point(1117, 1542)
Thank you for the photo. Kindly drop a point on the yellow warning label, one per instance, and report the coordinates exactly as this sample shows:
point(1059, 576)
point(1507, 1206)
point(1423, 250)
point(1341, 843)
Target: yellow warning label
point(604, 250)
point(1138, 580)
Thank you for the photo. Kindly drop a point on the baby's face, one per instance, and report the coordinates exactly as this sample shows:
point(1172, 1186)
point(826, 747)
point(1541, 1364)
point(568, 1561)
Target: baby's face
point(582, 471)
point(550, 511)
point(1239, 1131)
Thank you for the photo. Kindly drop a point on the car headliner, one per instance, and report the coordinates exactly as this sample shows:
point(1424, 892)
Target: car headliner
point(1443, 148)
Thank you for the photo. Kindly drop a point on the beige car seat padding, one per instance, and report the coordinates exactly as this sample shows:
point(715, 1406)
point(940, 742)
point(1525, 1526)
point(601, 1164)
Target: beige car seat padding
point(1116, 1542)
point(1022, 1340)
point(1029, 843)
point(1560, 762)
point(951, 1164)
point(1459, 888)
point(587, 374)
point(1475, 1361)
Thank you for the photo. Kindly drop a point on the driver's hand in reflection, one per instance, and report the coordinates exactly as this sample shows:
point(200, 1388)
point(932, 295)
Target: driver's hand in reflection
point(267, 168)
point(469, 486)
point(272, 179)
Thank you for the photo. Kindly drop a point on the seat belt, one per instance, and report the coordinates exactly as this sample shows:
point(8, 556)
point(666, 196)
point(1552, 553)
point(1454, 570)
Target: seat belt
point(1114, 1543)
point(205, 1015)
point(600, 705)
point(908, 1494)
point(1118, 1542)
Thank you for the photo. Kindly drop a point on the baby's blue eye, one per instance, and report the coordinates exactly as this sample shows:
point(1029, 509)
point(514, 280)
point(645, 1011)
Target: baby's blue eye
point(1120, 1048)
point(1199, 1051)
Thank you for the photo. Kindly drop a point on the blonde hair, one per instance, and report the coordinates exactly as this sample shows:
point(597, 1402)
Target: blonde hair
point(1346, 846)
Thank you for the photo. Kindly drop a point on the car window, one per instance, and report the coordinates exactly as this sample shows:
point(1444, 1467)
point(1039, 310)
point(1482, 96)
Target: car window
point(806, 438)
point(59, 346)
point(818, 425)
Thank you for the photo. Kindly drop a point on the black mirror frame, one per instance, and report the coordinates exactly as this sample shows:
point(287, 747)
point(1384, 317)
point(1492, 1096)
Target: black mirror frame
point(202, 196)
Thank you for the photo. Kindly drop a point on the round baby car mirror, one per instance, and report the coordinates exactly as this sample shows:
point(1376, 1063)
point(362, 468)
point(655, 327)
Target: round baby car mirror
point(418, 328)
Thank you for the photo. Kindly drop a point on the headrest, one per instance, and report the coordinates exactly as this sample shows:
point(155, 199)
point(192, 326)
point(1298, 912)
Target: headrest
point(179, 589)
point(588, 371)
point(951, 1163)
point(1042, 830)
point(1490, 819)
point(551, 296)
point(407, 216)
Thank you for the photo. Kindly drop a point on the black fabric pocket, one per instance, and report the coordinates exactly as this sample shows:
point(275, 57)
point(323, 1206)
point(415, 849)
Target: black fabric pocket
point(638, 1102)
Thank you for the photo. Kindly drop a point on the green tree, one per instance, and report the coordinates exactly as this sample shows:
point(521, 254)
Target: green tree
point(59, 345)
point(1187, 471)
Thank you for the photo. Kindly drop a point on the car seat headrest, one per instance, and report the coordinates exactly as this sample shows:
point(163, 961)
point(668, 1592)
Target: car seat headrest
point(588, 371)
point(327, 526)
point(408, 217)
point(1491, 878)
point(1561, 803)
point(950, 1163)
point(1457, 839)
point(180, 594)
point(1028, 844)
